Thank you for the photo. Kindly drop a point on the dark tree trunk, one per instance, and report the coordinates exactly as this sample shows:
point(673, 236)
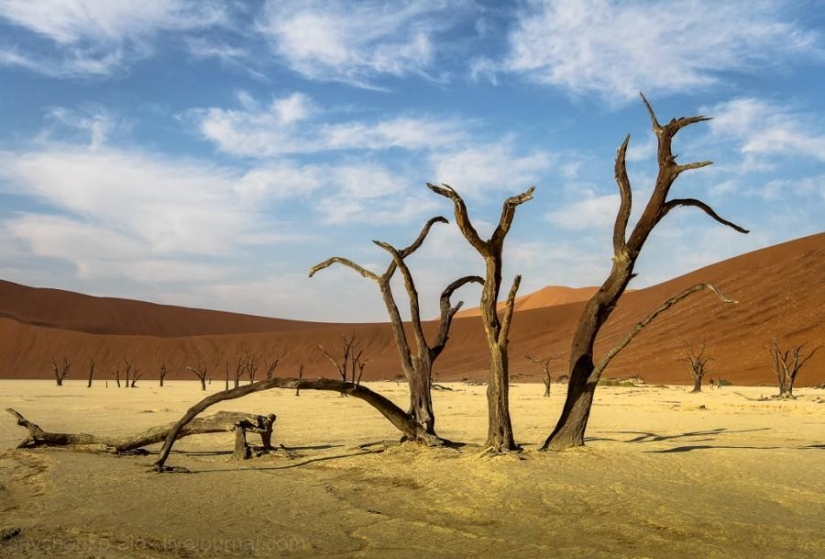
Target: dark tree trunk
point(499, 429)
point(421, 400)
point(697, 383)
point(584, 373)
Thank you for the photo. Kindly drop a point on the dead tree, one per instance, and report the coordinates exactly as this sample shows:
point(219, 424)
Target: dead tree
point(240, 369)
point(136, 374)
point(91, 372)
point(270, 367)
point(61, 371)
point(698, 363)
point(544, 366)
point(786, 366)
point(349, 348)
point(417, 364)
point(300, 377)
point(162, 374)
point(499, 428)
point(199, 372)
point(251, 365)
point(222, 421)
point(584, 372)
point(116, 376)
point(398, 417)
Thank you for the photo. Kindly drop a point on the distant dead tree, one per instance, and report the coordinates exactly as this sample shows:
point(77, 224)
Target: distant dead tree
point(240, 369)
point(499, 427)
point(349, 353)
point(584, 371)
point(544, 366)
point(270, 367)
point(698, 362)
point(200, 371)
point(251, 365)
point(417, 363)
point(787, 365)
point(91, 372)
point(116, 375)
point(61, 371)
point(300, 377)
point(132, 373)
point(163, 372)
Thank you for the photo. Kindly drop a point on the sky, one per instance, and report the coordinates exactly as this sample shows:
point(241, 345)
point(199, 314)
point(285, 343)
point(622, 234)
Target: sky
point(208, 154)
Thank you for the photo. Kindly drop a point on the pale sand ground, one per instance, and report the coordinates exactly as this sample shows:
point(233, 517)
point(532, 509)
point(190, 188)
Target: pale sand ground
point(667, 474)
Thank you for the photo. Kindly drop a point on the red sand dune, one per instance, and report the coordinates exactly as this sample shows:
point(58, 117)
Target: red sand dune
point(781, 290)
point(545, 297)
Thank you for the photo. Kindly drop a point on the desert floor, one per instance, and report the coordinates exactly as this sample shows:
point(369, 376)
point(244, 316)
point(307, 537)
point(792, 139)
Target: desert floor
point(666, 474)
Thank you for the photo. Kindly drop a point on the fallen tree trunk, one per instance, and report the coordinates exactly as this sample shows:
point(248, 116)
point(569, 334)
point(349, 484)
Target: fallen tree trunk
point(402, 421)
point(223, 421)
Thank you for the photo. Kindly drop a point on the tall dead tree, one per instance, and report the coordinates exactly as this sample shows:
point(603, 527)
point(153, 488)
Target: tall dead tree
point(584, 372)
point(61, 371)
point(417, 364)
point(544, 366)
point(200, 372)
point(116, 376)
point(499, 428)
point(786, 366)
point(698, 363)
point(300, 377)
point(136, 374)
point(91, 372)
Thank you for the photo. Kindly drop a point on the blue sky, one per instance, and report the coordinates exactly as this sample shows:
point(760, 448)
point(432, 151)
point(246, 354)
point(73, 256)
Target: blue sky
point(208, 153)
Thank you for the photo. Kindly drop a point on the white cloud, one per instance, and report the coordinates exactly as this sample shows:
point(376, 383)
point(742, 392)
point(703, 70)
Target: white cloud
point(90, 37)
point(356, 42)
point(615, 49)
point(293, 124)
point(592, 213)
point(490, 167)
point(766, 129)
point(135, 205)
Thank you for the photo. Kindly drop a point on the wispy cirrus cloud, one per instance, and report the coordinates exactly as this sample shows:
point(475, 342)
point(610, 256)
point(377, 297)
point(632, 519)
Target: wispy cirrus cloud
point(295, 124)
point(761, 128)
point(614, 49)
point(68, 38)
point(355, 42)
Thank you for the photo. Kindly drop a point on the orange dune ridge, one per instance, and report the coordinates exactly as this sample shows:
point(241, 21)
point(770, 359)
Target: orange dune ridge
point(780, 291)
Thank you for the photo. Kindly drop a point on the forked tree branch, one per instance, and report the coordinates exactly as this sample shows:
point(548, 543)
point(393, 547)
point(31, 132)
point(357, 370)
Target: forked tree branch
point(462, 216)
point(448, 311)
point(640, 326)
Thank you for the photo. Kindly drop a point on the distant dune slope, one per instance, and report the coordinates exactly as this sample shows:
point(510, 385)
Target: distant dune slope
point(781, 290)
point(545, 297)
point(55, 308)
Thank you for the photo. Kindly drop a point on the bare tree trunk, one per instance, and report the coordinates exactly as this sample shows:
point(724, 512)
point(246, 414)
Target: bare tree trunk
point(584, 374)
point(697, 383)
point(91, 373)
point(222, 421)
point(499, 431)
